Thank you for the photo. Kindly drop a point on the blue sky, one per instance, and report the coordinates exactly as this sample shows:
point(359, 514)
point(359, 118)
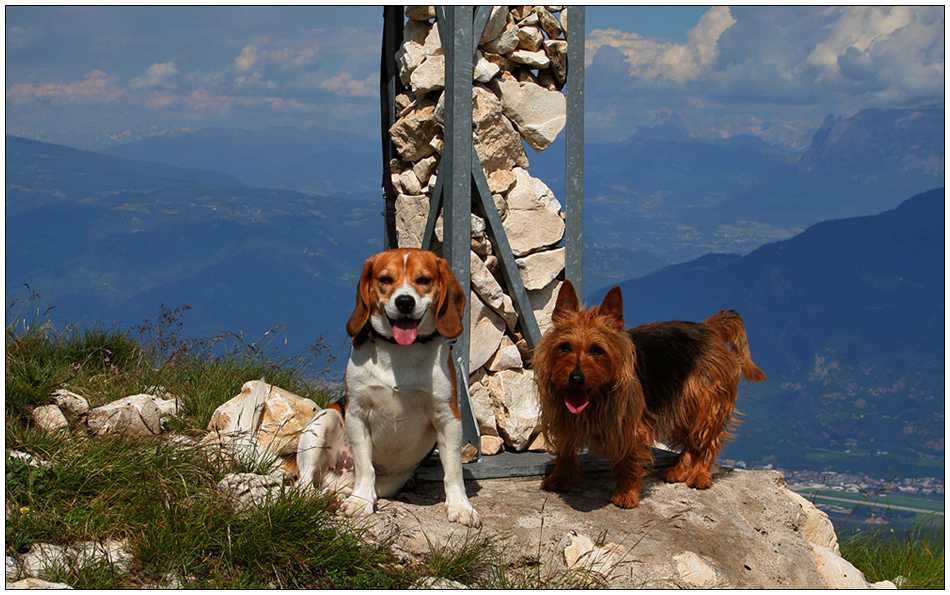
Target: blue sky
point(77, 75)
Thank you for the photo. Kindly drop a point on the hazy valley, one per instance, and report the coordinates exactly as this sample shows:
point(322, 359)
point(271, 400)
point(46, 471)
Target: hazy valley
point(839, 279)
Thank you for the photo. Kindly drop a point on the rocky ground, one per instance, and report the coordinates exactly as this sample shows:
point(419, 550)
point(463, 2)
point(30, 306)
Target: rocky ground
point(747, 531)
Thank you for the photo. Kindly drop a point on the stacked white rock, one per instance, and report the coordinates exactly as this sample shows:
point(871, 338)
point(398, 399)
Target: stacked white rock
point(519, 71)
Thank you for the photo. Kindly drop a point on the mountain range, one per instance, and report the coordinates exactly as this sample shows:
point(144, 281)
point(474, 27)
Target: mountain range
point(109, 239)
point(840, 283)
point(312, 160)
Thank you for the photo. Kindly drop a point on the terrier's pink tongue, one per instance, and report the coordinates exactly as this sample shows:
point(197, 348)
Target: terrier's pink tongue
point(576, 400)
point(405, 331)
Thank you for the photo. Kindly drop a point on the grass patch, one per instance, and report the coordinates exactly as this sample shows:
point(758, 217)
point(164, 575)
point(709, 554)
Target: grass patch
point(886, 553)
point(162, 499)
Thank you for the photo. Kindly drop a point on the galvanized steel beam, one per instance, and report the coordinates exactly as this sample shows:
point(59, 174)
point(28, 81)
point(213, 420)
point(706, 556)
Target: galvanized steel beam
point(574, 151)
point(456, 33)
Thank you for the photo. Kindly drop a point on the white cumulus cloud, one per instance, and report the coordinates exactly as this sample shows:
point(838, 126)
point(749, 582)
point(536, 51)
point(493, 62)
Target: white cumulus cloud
point(95, 86)
point(157, 76)
point(247, 59)
point(650, 60)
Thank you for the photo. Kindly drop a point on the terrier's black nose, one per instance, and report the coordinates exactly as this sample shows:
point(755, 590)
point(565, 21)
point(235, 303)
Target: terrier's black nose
point(576, 378)
point(405, 304)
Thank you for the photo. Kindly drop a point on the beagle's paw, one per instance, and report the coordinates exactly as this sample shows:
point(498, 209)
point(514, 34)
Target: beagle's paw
point(464, 514)
point(358, 506)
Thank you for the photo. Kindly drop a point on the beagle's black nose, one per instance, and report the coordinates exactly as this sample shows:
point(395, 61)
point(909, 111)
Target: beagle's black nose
point(405, 304)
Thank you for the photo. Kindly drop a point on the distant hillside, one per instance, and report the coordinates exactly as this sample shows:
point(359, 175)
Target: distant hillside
point(40, 173)
point(677, 197)
point(846, 318)
point(313, 160)
point(108, 239)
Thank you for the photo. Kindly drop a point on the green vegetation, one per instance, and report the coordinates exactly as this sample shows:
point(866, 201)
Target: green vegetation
point(886, 553)
point(163, 500)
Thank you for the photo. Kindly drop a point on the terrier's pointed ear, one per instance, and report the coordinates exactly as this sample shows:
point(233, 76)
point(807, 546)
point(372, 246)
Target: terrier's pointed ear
point(612, 308)
point(566, 304)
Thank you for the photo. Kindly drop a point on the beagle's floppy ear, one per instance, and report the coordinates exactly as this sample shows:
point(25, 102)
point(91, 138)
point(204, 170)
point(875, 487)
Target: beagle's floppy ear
point(360, 315)
point(451, 310)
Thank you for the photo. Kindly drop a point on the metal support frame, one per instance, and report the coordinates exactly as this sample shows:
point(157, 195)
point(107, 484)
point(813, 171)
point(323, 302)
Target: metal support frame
point(389, 87)
point(461, 185)
point(574, 151)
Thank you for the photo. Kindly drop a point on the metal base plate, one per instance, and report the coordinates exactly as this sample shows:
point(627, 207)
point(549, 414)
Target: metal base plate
point(526, 464)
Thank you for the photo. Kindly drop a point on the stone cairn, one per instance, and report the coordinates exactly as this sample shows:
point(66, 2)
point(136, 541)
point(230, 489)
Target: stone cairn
point(520, 69)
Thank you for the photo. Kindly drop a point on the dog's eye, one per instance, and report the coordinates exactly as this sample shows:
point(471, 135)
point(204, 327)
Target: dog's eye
point(424, 280)
point(596, 350)
point(385, 280)
point(565, 347)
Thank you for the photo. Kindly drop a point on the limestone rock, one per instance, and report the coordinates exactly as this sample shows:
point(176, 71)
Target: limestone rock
point(413, 134)
point(432, 45)
point(492, 445)
point(482, 408)
point(582, 555)
point(71, 404)
point(534, 216)
point(409, 183)
point(484, 69)
point(505, 43)
point(539, 269)
point(498, 145)
point(742, 533)
point(548, 22)
point(42, 558)
point(487, 330)
point(491, 292)
point(529, 38)
point(136, 415)
point(556, 49)
point(497, 21)
point(30, 460)
point(815, 525)
point(501, 180)
point(416, 32)
point(837, 572)
point(425, 168)
point(694, 571)
point(115, 552)
point(409, 56)
point(49, 418)
point(515, 401)
point(428, 76)
point(420, 13)
point(537, 113)
point(251, 489)
point(262, 423)
point(506, 358)
point(36, 583)
point(411, 214)
point(431, 582)
point(542, 302)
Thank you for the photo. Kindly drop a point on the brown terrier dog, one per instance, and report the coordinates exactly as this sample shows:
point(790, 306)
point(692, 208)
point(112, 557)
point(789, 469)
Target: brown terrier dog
point(621, 390)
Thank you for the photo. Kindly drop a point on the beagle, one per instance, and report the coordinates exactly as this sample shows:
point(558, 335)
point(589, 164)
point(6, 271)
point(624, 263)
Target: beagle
point(400, 379)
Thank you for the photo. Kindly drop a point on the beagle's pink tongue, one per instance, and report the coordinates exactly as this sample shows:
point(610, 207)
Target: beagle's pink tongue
point(576, 400)
point(405, 331)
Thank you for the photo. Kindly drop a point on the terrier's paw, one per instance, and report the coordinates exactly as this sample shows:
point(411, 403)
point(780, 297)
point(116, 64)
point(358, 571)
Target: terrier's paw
point(557, 483)
point(626, 499)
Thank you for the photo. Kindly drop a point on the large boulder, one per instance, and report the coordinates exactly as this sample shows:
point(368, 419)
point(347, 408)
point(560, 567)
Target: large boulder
point(743, 533)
